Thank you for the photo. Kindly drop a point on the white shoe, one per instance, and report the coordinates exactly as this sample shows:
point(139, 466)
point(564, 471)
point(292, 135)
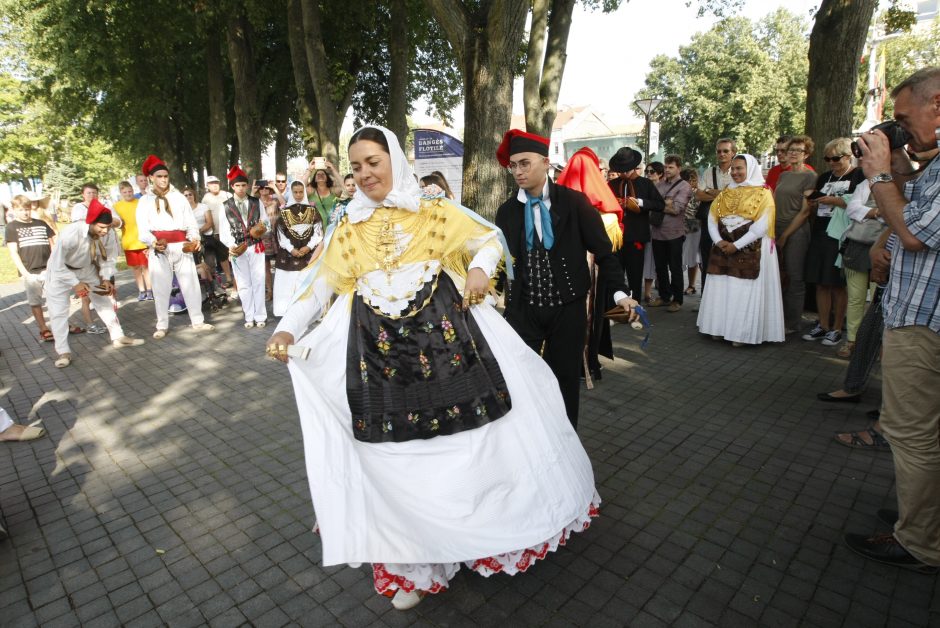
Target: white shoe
point(403, 601)
point(124, 341)
point(203, 327)
point(261, 324)
point(64, 360)
point(160, 333)
point(249, 324)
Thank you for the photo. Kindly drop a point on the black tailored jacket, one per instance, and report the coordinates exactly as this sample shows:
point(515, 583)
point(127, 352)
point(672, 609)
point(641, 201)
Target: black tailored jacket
point(636, 226)
point(578, 229)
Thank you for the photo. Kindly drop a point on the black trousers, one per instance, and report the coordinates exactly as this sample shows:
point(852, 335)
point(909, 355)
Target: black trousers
point(705, 249)
point(632, 260)
point(668, 257)
point(561, 329)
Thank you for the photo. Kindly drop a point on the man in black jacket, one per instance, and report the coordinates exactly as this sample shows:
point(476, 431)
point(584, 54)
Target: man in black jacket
point(638, 196)
point(550, 229)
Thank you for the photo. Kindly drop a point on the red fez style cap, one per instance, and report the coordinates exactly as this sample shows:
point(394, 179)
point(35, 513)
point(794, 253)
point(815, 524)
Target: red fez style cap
point(97, 212)
point(516, 141)
point(152, 164)
point(236, 175)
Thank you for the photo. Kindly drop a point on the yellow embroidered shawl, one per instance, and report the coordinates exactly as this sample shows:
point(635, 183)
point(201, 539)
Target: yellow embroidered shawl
point(439, 231)
point(751, 202)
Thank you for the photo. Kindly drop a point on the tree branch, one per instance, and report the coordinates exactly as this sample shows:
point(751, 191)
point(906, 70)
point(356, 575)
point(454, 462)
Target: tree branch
point(533, 62)
point(454, 19)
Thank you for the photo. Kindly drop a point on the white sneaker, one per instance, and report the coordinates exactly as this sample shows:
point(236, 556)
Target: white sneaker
point(261, 324)
point(249, 324)
point(124, 341)
point(160, 333)
point(203, 327)
point(403, 601)
point(833, 337)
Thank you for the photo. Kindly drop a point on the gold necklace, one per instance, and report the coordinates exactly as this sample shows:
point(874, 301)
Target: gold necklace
point(382, 234)
point(291, 220)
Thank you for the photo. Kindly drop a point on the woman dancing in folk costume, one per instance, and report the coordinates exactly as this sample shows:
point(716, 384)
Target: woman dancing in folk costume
point(583, 173)
point(451, 445)
point(742, 301)
point(299, 230)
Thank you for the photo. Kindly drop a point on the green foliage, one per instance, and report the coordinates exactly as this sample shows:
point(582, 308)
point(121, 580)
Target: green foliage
point(898, 19)
point(740, 79)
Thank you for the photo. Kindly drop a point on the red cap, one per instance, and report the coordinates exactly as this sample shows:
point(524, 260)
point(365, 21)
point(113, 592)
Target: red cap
point(97, 212)
point(516, 141)
point(152, 164)
point(236, 175)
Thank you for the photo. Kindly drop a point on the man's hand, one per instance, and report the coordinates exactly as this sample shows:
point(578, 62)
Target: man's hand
point(629, 306)
point(476, 287)
point(81, 289)
point(276, 346)
point(159, 246)
point(107, 287)
point(880, 264)
point(876, 153)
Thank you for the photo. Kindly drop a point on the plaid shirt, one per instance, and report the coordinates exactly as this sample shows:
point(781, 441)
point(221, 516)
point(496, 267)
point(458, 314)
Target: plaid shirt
point(912, 296)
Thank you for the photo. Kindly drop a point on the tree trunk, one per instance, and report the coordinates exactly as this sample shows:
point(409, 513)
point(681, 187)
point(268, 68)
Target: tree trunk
point(317, 66)
point(281, 137)
point(218, 132)
point(835, 47)
point(398, 79)
point(483, 40)
point(307, 112)
point(543, 75)
point(533, 65)
point(247, 114)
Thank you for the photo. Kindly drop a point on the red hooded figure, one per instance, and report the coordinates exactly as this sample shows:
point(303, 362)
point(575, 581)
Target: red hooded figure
point(584, 175)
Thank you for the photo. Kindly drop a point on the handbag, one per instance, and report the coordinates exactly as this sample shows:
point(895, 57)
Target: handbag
point(865, 232)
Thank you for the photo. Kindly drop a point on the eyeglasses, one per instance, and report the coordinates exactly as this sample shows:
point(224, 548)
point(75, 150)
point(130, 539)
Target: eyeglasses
point(523, 166)
point(723, 150)
point(650, 171)
point(781, 150)
point(280, 180)
point(834, 159)
point(796, 151)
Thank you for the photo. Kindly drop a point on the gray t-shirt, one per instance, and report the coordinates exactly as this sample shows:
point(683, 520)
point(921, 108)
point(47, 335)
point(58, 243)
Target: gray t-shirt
point(789, 195)
point(214, 202)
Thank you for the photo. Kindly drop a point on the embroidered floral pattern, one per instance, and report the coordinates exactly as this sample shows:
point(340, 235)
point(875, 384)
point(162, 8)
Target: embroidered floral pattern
point(428, 327)
point(386, 426)
point(389, 372)
point(383, 342)
point(425, 365)
point(447, 329)
point(413, 417)
point(453, 413)
point(360, 425)
point(435, 425)
point(456, 361)
point(404, 332)
point(480, 410)
point(363, 370)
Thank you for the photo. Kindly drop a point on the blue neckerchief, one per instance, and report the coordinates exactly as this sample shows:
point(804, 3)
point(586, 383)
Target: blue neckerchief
point(548, 236)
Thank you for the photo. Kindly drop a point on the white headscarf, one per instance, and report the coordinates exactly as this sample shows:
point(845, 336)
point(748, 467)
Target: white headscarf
point(754, 177)
point(405, 192)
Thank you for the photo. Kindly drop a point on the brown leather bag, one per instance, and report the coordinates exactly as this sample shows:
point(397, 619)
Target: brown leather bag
point(239, 249)
point(618, 315)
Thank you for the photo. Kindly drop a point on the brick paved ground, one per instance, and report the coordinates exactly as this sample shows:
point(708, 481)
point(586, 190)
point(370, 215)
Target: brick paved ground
point(171, 490)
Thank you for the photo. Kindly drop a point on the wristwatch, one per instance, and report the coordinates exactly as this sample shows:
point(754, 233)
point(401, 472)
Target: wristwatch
point(883, 177)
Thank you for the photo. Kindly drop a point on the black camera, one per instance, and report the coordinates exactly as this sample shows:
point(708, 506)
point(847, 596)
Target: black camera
point(897, 136)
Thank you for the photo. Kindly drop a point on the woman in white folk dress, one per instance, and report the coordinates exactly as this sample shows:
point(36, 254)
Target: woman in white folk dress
point(742, 301)
point(433, 435)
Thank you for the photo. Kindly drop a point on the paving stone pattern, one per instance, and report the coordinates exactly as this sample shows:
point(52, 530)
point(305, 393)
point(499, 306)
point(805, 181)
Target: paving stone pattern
point(171, 490)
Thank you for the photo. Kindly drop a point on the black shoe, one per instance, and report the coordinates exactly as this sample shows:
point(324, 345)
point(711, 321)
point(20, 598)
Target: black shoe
point(888, 516)
point(850, 399)
point(874, 415)
point(884, 548)
point(596, 374)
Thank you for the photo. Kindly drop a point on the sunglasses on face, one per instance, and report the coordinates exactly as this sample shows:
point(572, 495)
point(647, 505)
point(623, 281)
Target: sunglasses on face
point(280, 180)
point(834, 159)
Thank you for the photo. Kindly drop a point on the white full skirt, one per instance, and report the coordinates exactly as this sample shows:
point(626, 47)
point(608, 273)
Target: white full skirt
point(749, 311)
point(503, 487)
point(285, 285)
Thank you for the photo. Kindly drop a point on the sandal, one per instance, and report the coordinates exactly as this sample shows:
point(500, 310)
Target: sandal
point(75, 329)
point(45, 336)
point(878, 441)
point(690, 290)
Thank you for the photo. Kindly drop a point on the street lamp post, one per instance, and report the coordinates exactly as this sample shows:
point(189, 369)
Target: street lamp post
point(647, 106)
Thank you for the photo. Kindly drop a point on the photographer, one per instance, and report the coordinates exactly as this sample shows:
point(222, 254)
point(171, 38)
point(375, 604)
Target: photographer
point(909, 201)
